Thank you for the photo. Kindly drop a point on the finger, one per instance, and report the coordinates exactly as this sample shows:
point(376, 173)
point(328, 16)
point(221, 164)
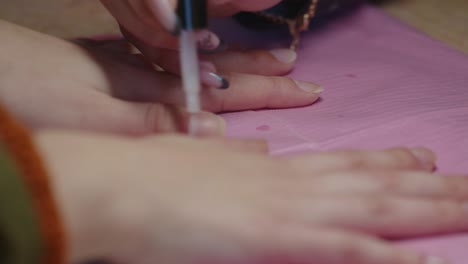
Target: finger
point(215, 143)
point(169, 119)
point(169, 60)
point(258, 92)
point(246, 92)
point(250, 145)
point(223, 144)
point(138, 119)
point(140, 38)
point(325, 246)
point(383, 215)
point(406, 184)
point(129, 19)
point(117, 45)
point(164, 12)
point(117, 50)
point(392, 159)
point(207, 41)
point(154, 23)
point(160, 10)
point(262, 62)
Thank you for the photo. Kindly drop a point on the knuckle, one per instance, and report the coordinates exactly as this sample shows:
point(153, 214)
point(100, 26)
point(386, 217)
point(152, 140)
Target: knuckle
point(156, 118)
point(270, 95)
point(456, 187)
point(279, 86)
point(379, 207)
point(351, 251)
point(391, 183)
point(285, 82)
point(403, 156)
point(355, 161)
point(216, 101)
point(256, 57)
point(448, 211)
point(348, 159)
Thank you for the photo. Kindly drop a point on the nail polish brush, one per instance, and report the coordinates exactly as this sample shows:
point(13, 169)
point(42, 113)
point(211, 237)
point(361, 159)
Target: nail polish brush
point(193, 17)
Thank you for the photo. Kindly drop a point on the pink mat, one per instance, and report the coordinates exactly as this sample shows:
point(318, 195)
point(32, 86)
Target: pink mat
point(385, 85)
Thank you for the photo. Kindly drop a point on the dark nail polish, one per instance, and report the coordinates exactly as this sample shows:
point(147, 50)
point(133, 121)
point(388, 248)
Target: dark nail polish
point(214, 80)
point(225, 83)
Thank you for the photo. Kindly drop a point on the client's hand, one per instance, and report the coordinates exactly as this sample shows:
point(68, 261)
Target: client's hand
point(179, 200)
point(146, 25)
point(50, 83)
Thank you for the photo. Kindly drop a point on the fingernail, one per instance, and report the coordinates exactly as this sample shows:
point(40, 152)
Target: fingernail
point(165, 13)
point(214, 80)
point(207, 124)
point(209, 42)
point(425, 157)
point(207, 66)
point(436, 260)
point(309, 87)
point(284, 55)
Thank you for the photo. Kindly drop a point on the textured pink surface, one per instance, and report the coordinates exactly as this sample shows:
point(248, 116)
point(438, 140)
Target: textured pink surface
point(385, 85)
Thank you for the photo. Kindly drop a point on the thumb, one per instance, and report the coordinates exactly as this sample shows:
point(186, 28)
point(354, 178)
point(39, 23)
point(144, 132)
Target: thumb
point(165, 12)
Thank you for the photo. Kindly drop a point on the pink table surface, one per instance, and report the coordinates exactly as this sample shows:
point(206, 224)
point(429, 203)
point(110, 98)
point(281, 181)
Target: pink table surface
point(385, 85)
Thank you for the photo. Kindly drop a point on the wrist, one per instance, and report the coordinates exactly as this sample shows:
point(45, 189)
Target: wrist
point(73, 201)
point(79, 174)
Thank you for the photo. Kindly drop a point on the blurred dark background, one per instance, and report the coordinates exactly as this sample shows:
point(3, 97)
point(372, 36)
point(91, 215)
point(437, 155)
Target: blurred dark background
point(446, 20)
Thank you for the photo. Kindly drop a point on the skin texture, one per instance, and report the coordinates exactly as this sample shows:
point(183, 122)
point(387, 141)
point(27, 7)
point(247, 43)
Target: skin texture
point(167, 203)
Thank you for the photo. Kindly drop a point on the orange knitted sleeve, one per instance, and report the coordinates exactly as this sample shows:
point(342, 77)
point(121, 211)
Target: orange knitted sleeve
point(20, 146)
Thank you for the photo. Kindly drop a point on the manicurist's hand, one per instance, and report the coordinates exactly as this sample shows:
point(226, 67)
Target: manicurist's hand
point(148, 26)
point(153, 21)
point(180, 200)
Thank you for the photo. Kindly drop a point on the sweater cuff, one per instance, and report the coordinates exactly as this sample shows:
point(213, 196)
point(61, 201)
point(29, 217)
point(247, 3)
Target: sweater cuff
point(19, 144)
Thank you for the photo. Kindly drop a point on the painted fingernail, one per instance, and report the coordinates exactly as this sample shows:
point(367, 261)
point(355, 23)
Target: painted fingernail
point(284, 55)
point(436, 260)
point(425, 157)
point(214, 80)
point(309, 87)
point(208, 66)
point(207, 124)
point(165, 13)
point(209, 42)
